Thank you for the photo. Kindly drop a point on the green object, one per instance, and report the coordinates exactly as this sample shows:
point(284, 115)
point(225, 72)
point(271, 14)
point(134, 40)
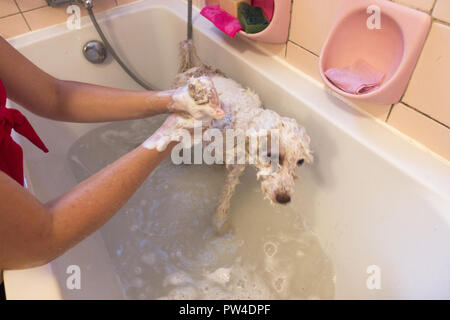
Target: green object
point(252, 19)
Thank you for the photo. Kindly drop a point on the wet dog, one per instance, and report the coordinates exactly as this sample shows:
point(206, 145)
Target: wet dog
point(244, 112)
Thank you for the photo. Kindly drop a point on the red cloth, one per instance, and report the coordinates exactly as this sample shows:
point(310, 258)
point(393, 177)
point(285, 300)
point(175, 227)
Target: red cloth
point(11, 155)
point(222, 20)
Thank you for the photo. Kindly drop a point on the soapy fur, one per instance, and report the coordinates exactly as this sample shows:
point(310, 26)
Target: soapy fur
point(194, 98)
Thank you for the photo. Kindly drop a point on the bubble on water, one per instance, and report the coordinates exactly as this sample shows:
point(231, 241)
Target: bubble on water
point(270, 249)
point(279, 284)
point(137, 270)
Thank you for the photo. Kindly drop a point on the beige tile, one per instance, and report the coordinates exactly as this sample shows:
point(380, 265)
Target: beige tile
point(103, 5)
point(426, 131)
point(44, 17)
point(424, 5)
point(13, 26)
point(303, 60)
point(379, 111)
point(311, 22)
point(198, 3)
point(442, 10)
point(7, 7)
point(25, 5)
point(100, 6)
point(48, 16)
point(275, 49)
point(429, 89)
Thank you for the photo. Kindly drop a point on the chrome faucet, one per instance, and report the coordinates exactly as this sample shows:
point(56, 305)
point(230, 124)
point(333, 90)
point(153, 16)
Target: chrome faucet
point(88, 4)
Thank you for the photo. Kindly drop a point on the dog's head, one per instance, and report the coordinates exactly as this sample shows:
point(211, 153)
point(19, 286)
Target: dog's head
point(277, 176)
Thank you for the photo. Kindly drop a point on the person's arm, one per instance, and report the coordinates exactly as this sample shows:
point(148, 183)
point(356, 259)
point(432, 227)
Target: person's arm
point(49, 97)
point(33, 233)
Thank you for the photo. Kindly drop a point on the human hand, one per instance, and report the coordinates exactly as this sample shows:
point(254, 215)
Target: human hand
point(198, 98)
point(176, 127)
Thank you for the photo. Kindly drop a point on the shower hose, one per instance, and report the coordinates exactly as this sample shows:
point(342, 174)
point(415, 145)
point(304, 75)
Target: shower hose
point(111, 50)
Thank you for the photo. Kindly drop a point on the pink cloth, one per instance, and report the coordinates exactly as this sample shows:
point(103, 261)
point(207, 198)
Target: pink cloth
point(266, 6)
point(222, 20)
point(359, 78)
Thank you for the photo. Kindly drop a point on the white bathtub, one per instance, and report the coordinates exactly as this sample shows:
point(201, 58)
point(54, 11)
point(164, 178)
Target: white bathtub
point(373, 196)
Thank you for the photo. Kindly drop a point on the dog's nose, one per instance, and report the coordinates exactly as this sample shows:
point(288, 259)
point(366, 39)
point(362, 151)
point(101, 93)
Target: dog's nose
point(283, 198)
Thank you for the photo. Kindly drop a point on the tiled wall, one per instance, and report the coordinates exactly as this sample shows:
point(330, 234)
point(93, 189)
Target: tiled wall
point(20, 16)
point(424, 111)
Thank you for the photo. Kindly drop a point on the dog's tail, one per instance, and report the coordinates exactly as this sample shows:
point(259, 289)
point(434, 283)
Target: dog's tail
point(188, 56)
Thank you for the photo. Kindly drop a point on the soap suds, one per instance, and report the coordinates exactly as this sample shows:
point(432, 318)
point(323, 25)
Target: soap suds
point(198, 99)
point(177, 131)
point(193, 103)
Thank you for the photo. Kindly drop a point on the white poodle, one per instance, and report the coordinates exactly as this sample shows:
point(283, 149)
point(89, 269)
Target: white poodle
point(243, 110)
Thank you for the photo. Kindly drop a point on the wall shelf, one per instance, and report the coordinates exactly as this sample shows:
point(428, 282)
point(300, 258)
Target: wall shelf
point(278, 29)
point(392, 49)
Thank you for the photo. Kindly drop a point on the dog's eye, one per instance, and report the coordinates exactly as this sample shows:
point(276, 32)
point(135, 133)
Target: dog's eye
point(300, 162)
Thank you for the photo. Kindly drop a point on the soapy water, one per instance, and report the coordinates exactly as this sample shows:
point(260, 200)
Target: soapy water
point(163, 244)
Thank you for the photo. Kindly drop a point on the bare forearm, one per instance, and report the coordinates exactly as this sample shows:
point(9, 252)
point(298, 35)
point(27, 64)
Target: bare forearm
point(33, 234)
point(89, 205)
point(49, 97)
point(80, 102)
